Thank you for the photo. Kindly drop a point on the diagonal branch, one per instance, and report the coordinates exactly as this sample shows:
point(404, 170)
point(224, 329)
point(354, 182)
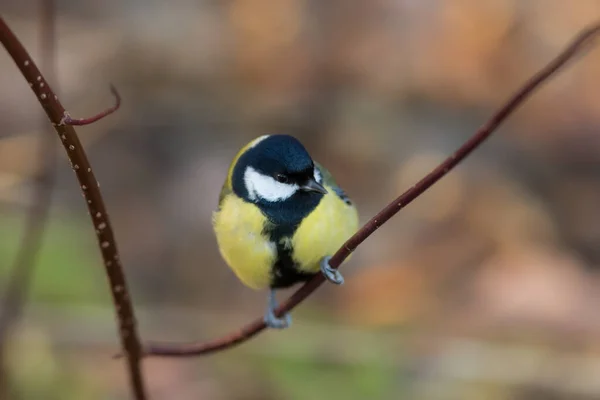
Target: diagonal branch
point(257, 326)
point(91, 192)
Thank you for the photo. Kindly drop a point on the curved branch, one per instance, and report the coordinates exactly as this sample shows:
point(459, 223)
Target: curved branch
point(255, 327)
point(68, 120)
point(95, 204)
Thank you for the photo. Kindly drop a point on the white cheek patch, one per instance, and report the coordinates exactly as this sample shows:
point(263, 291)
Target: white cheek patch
point(318, 176)
point(264, 187)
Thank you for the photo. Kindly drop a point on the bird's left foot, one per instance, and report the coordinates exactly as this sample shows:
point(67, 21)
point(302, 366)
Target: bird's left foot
point(332, 275)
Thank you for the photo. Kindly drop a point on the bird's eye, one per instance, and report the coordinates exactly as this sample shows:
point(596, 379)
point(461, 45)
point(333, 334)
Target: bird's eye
point(281, 178)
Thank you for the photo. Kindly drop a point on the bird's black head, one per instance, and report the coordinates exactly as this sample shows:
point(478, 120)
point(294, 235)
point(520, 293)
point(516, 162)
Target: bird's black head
point(277, 173)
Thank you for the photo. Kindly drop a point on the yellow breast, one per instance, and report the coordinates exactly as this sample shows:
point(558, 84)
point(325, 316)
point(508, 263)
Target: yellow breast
point(238, 227)
point(323, 231)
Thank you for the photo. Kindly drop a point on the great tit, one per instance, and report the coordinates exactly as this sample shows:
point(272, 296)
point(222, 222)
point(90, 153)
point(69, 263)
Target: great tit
point(280, 218)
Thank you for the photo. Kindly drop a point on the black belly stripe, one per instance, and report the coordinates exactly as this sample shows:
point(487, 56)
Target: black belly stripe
point(285, 272)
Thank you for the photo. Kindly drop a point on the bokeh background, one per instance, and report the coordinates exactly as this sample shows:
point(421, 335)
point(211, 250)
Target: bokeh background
point(487, 287)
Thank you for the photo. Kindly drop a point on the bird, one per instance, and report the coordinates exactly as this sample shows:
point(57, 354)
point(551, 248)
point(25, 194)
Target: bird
point(280, 218)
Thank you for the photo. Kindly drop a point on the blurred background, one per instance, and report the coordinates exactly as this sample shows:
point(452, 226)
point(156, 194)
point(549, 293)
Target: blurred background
point(487, 287)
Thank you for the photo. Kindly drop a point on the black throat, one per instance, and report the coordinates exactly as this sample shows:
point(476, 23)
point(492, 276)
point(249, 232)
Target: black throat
point(284, 219)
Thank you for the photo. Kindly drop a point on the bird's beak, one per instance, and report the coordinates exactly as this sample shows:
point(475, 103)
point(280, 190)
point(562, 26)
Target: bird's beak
point(313, 186)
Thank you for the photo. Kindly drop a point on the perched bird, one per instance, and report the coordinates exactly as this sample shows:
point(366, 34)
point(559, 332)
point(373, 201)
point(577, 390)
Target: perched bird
point(280, 218)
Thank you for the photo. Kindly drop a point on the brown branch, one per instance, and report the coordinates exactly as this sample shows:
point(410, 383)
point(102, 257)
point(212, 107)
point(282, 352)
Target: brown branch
point(255, 327)
point(21, 272)
point(68, 120)
point(91, 192)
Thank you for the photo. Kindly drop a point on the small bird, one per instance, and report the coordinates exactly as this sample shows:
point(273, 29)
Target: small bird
point(280, 218)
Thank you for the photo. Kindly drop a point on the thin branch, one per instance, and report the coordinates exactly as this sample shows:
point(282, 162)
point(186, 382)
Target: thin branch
point(68, 120)
point(18, 283)
point(91, 192)
point(257, 326)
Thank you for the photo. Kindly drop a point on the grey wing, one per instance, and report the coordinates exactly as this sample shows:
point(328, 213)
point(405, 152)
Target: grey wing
point(329, 181)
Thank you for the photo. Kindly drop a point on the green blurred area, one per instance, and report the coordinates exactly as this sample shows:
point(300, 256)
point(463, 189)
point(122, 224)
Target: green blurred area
point(68, 270)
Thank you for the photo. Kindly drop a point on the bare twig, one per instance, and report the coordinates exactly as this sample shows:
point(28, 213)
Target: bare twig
point(17, 286)
point(68, 120)
point(255, 327)
point(91, 192)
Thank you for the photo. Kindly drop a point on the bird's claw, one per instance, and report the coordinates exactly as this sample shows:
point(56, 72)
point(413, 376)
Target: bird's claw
point(277, 323)
point(332, 275)
point(270, 319)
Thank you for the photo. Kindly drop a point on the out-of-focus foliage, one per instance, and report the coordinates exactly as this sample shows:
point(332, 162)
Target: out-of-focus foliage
point(484, 288)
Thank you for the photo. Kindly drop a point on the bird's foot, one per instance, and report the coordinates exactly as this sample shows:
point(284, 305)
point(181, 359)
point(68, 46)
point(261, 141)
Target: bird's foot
point(332, 275)
point(277, 323)
point(270, 319)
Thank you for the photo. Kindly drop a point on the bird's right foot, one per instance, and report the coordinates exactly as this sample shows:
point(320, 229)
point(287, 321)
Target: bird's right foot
point(277, 323)
point(270, 319)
